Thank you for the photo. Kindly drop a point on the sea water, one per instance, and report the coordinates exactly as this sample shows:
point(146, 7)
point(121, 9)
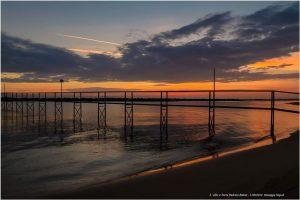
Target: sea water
point(36, 161)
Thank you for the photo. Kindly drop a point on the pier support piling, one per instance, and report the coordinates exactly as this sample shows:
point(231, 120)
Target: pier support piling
point(30, 108)
point(164, 116)
point(211, 114)
point(77, 112)
point(19, 105)
point(101, 119)
point(19, 108)
point(3, 102)
point(272, 120)
point(58, 114)
point(9, 103)
point(12, 103)
point(128, 115)
point(42, 111)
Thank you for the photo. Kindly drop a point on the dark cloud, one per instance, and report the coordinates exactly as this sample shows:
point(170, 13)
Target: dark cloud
point(220, 41)
point(20, 55)
point(213, 22)
point(282, 66)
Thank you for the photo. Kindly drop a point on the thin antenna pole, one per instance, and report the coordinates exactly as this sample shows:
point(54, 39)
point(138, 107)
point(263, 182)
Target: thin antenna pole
point(214, 79)
point(61, 89)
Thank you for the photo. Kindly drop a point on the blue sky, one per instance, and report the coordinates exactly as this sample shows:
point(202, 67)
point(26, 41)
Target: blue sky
point(149, 42)
point(119, 22)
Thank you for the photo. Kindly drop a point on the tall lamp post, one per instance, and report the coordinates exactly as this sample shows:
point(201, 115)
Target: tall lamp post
point(61, 87)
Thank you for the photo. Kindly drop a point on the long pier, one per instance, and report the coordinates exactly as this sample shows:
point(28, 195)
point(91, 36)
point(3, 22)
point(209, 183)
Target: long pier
point(22, 103)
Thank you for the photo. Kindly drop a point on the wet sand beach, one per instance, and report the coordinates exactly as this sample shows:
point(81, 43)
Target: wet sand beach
point(265, 172)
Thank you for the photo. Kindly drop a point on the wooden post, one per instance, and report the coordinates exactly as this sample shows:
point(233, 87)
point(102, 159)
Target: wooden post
point(167, 115)
point(98, 116)
point(161, 115)
point(27, 109)
point(105, 111)
point(55, 118)
point(45, 117)
point(22, 98)
point(131, 111)
point(272, 121)
point(164, 115)
point(209, 117)
point(74, 127)
point(125, 115)
point(39, 122)
point(80, 106)
point(33, 108)
point(101, 122)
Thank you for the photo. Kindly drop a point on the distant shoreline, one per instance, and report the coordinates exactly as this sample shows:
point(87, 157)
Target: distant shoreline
point(137, 99)
point(294, 103)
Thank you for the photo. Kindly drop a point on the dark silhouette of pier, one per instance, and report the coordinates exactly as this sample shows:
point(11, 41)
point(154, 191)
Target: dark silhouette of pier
point(24, 104)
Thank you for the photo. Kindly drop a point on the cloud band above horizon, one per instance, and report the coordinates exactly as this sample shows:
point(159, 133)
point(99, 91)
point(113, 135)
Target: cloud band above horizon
point(188, 54)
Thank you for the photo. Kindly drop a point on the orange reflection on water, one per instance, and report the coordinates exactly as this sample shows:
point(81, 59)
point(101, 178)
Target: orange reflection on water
point(206, 158)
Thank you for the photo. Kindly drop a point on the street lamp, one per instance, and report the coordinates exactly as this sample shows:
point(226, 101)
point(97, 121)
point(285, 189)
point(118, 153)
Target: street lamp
point(61, 82)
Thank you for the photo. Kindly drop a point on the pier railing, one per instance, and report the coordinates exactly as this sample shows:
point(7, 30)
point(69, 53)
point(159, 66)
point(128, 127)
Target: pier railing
point(24, 102)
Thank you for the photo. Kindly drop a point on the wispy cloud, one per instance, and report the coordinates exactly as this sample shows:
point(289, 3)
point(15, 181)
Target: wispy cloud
point(90, 51)
point(89, 39)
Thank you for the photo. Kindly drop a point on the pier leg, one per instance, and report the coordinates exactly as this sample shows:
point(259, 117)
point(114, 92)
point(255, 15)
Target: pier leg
point(77, 113)
point(19, 108)
point(128, 115)
point(55, 120)
point(101, 122)
point(30, 109)
point(131, 110)
point(211, 114)
point(22, 109)
point(16, 106)
point(12, 108)
point(272, 120)
point(45, 116)
point(9, 108)
point(6, 97)
point(58, 112)
point(39, 112)
point(125, 116)
point(3, 106)
point(164, 115)
point(42, 112)
point(4, 110)
point(27, 110)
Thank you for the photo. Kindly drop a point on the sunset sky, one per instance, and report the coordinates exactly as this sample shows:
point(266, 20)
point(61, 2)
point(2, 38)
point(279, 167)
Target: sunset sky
point(149, 45)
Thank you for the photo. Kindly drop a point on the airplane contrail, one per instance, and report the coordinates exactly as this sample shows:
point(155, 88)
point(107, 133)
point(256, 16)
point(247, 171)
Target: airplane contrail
point(89, 39)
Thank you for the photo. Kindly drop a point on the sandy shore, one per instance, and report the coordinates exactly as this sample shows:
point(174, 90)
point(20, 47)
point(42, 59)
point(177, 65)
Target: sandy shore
point(268, 170)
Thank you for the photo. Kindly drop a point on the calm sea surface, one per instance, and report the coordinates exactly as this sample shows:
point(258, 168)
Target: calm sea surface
point(38, 161)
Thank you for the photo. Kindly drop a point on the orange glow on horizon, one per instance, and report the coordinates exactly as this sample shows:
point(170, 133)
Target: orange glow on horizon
point(292, 62)
point(289, 85)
